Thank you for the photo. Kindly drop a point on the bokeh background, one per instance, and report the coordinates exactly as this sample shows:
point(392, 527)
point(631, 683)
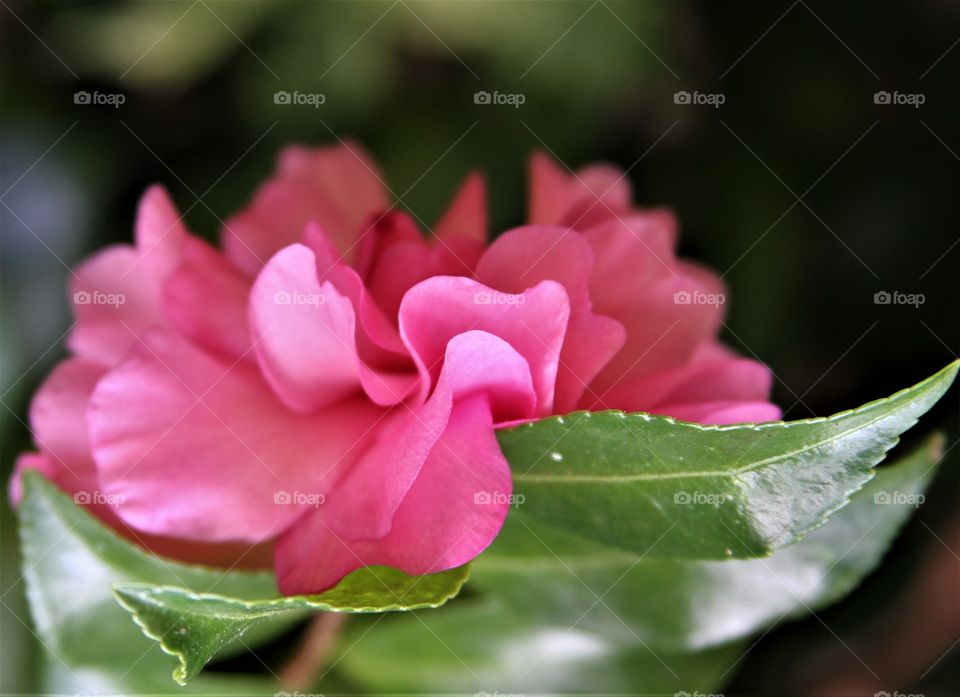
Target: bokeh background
point(808, 195)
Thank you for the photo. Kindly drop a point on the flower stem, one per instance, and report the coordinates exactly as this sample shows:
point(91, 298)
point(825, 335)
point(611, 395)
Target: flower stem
point(314, 652)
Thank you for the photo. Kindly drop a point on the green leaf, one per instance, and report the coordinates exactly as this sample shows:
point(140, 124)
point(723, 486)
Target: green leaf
point(146, 678)
point(663, 488)
point(194, 627)
point(592, 619)
point(70, 560)
point(483, 647)
point(607, 504)
point(72, 563)
point(546, 575)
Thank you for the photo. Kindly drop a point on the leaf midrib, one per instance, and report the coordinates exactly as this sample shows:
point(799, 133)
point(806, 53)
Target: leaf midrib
point(653, 476)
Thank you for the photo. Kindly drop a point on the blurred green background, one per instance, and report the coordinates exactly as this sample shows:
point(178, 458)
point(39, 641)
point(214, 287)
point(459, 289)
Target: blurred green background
point(804, 192)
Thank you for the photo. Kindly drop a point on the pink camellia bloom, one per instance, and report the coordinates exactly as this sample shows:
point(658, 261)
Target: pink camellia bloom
point(327, 386)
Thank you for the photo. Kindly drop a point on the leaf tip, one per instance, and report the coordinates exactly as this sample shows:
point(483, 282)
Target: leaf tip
point(131, 598)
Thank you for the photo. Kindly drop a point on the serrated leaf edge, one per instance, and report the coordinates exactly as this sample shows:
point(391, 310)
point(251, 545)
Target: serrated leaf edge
point(125, 593)
point(181, 673)
point(945, 376)
point(272, 606)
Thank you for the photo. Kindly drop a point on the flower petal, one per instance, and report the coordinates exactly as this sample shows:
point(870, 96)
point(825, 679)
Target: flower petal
point(533, 323)
point(476, 362)
point(467, 214)
point(604, 192)
point(549, 191)
point(722, 413)
point(338, 187)
point(401, 257)
point(576, 199)
point(630, 253)
point(160, 233)
point(701, 382)
point(116, 292)
point(527, 255)
point(668, 307)
point(378, 341)
point(113, 303)
point(198, 447)
point(443, 522)
point(59, 426)
point(306, 338)
point(303, 332)
point(205, 298)
point(457, 499)
point(226, 554)
point(35, 462)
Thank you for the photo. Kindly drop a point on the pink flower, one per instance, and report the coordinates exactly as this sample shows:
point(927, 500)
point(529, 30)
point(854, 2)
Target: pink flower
point(328, 385)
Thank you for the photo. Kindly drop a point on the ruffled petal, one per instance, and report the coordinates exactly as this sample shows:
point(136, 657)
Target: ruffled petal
point(113, 303)
point(630, 253)
point(603, 193)
point(378, 340)
point(668, 307)
point(457, 499)
point(59, 426)
point(303, 332)
point(305, 338)
point(387, 371)
point(338, 187)
point(534, 323)
point(402, 257)
point(202, 449)
point(205, 299)
point(236, 555)
point(522, 257)
point(733, 379)
point(592, 195)
point(476, 362)
point(452, 512)
point(116, 292)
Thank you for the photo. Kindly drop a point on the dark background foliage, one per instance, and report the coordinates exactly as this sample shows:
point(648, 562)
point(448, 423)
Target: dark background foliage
point(803, 191)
